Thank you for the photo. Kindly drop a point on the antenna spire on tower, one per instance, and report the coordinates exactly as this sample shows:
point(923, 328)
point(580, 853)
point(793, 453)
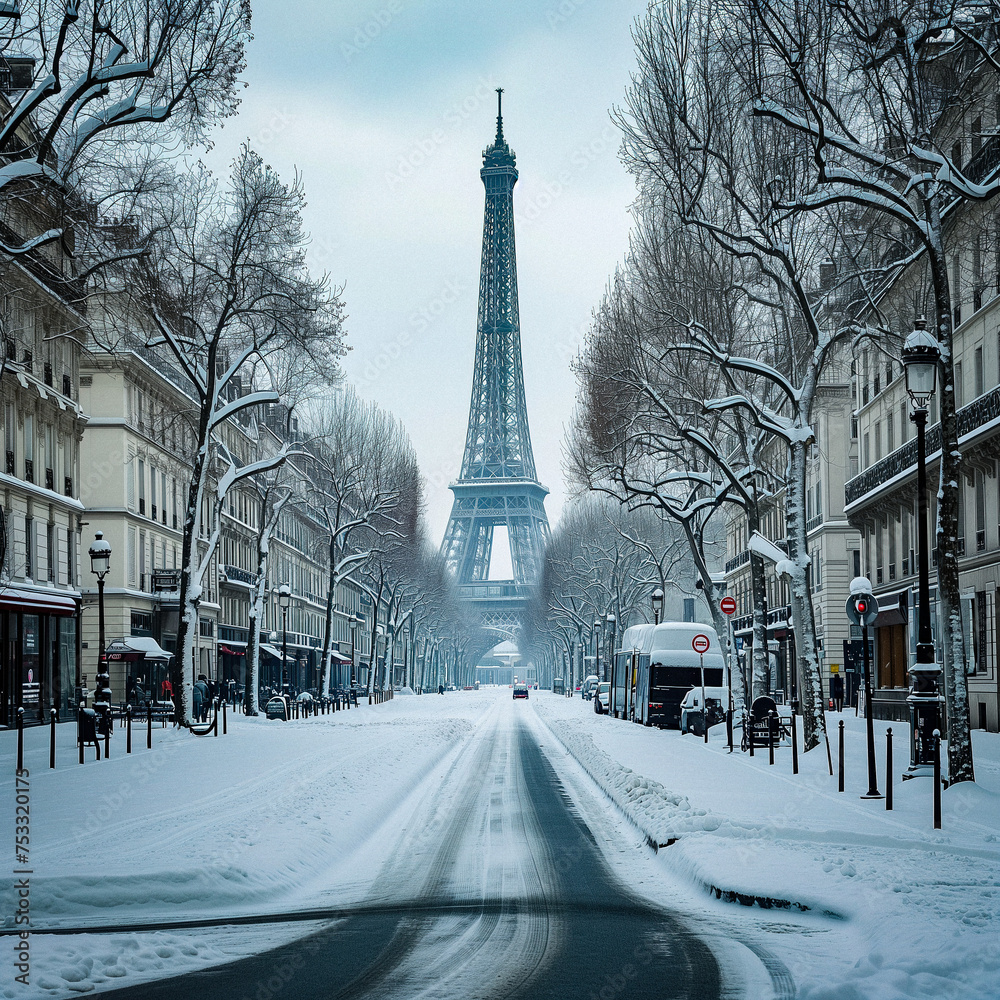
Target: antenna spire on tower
point(499, 116)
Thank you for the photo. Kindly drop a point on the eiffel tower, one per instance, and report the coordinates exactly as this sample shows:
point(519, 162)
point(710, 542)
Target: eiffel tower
point(497, 486)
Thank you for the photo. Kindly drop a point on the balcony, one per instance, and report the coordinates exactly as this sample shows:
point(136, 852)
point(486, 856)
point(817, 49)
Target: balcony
point(814, 522)
point(738, 560)
point(977, 414)
point(164, 580)
point(236, 575)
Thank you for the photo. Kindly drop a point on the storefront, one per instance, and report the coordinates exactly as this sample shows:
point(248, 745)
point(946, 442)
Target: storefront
point(139, 670)
point(39, 651)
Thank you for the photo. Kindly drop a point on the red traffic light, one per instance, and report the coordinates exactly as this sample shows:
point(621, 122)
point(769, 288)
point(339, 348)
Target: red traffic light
point(862, 605)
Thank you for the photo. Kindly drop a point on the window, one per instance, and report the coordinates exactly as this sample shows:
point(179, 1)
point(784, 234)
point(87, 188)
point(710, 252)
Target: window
point(956, 292)
point(867, 451)
point(130, 480)
point(878, 440)
point(29, 448)
point(142, 623)
point(152, 492)
point(130, 556)
point(980, 511)
point(904, 422)
point(819, 498)
point(956, 155)
point(142, 486)
point(978, 373)
point(163, 496)
point(29, 546)
point(892, 548)
point(70, 558)
point(205, 628)
point(960, 543)
point(9, 439)
point(50, 552)
point(852, 466)
point(890, 435)
point(142, 560)
point(856, 560)
point(959, 386)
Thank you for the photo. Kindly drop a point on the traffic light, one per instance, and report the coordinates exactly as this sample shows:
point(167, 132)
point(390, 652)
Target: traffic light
point(862, 609)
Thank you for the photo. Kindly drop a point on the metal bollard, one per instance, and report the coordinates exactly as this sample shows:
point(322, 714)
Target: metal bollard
point(224, 730)
point(888, 768)
point(937, 779)
point(770, 736)
point(78, 734)
point(795, 745)
point(20, 740)
point(748, 728)
point(840, 759)
point(52, 737)
point(149, 726)
point(107, 733)
point(128, 729)
point(215, 721)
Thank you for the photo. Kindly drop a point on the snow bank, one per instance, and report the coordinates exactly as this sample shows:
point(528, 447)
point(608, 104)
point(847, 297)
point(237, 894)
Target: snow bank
point(919, 906)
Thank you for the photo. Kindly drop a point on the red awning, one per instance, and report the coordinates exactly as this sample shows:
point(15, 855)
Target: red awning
point(39, 602)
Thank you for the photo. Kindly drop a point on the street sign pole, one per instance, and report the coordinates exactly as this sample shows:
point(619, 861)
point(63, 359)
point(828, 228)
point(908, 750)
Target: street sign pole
point(700, 645)
point(728, 607)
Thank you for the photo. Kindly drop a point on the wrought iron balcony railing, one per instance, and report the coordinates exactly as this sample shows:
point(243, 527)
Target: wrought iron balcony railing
point(978, 413)
point(738, 560)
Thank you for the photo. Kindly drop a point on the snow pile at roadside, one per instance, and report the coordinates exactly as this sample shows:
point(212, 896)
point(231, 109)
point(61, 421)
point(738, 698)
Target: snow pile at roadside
point(660, 815)
point(919, 906)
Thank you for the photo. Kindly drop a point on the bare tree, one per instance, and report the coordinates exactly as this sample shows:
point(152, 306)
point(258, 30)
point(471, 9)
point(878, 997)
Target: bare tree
point(227, 291)
point(94, 81)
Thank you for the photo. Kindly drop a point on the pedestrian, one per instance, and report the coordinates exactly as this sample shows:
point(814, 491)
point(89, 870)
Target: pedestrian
point(201, 698)
point(167, 690)
point(837, 692)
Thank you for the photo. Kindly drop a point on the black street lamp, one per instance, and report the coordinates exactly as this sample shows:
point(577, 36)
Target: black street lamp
point(354, 622)
point(597, 647)
point(657, 601)
point(921, 357)
point(100, 563)
point(284, 599)
point(610, 636)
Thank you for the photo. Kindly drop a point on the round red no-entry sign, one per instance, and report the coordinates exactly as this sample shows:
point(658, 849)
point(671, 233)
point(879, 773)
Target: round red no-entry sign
point(700, 643)
point(728, 605)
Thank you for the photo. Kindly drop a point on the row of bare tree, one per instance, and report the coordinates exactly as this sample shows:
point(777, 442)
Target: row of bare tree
point(101, 105)
point(771, 142)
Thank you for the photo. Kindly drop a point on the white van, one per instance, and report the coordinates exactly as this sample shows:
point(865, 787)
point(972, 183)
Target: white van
point(673, 669)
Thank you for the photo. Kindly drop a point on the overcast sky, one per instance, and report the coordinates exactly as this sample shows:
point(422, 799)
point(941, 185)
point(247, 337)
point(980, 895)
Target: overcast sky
point(385, 108)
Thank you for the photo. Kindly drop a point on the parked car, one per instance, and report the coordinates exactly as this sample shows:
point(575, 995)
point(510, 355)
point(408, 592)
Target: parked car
point(520, 691)
point(692, 712)
point(602, 697)
point(589, 686)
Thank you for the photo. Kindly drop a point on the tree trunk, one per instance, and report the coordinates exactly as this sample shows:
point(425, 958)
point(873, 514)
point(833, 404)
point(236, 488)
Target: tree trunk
point(956, 686)
point(331, 589)
point(810, 677)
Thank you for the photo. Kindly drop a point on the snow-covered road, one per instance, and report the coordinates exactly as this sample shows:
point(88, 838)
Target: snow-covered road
point(493, 886)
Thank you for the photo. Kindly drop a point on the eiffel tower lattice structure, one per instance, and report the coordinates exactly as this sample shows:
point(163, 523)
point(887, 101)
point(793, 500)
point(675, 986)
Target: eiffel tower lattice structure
point(497, 486)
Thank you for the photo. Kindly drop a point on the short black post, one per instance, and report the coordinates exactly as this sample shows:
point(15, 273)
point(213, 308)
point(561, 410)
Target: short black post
point(888, 768)
point(224, 730)
point(20, 740)
point(795, 743)
point(215, 721)
point(79, 735)
point(128, 729)
point(748, 727)
point(770, 736)
point(52, 737)
point(107, 733)
point(937, 779)
point(729, 729)
point(840, 759)
point(149, 726)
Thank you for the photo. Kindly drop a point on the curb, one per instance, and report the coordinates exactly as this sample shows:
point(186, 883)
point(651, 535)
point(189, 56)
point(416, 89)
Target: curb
point(719, 892)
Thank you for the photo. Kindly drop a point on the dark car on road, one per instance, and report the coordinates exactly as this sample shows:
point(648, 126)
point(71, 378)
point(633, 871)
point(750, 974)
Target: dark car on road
point(520, 691)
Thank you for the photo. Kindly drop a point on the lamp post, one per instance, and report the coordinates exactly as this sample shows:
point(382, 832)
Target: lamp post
point(597, 648)
point(100, 563)
point(921, 356)
point(284, 599)
point(354, 622)
point(657, 602)
point(610, 637)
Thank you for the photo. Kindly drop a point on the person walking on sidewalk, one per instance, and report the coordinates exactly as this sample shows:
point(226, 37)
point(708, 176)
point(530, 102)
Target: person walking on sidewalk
point(837, 692)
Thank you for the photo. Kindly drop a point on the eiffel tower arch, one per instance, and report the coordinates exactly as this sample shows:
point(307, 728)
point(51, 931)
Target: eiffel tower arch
point(497, 486)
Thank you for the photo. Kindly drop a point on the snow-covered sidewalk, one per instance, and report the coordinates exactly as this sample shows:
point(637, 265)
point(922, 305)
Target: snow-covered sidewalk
point(271, 817)
point(920, 905)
